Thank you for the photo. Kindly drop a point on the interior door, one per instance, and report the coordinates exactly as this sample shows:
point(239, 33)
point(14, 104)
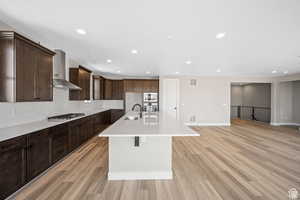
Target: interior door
point(171, 97)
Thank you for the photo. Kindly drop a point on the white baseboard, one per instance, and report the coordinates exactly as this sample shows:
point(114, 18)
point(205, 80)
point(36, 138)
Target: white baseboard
point(208, 124)
point(161, 175)
point(284, 124)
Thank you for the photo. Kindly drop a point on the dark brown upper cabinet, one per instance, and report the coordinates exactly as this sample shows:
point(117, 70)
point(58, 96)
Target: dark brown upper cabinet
point(113, 89)
point(98, 87)
point(117, 89)
point(80, 76)
point(108, 89)
point(141, 85)
point(26, 69)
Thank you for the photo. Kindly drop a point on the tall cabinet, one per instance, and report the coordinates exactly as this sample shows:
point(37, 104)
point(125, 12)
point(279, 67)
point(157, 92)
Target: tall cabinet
point(26, 69)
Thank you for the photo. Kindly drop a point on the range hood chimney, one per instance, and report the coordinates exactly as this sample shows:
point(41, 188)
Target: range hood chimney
point(59, 72)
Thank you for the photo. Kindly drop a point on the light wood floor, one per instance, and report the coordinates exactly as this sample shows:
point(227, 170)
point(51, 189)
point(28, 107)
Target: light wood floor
point(248, 160)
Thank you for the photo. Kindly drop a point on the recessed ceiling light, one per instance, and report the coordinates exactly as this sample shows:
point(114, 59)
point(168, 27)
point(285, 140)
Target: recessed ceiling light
point(188, 62)
point(176, 72)
point(81, 31)
point(134, 51)
point(286, 72)
point(218, 70)
point(108, 60)
point(220, 35)
point(148, 72)
point(274, 71)
point(170, 37)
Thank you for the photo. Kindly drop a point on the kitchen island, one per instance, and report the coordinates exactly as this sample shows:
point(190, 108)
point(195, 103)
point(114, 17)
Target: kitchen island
point(141, 148)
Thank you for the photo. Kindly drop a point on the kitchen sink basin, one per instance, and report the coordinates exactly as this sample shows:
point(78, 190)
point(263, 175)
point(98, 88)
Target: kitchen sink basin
point(131, 118)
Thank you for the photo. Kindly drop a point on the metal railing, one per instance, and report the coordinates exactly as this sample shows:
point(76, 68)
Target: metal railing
point(251, 112)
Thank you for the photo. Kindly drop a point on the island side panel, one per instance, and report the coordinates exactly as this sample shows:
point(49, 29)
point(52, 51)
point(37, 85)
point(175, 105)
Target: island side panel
point(151, 160)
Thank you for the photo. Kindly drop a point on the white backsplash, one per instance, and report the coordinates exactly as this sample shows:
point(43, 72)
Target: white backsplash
point(25, 112)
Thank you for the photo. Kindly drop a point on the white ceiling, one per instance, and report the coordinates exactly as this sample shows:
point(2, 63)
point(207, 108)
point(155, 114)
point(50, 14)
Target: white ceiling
point(261, 35)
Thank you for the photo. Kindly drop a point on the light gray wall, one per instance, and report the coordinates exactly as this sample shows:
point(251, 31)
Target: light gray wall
point(296, 102)
point(236, 95)
point(286, 102)
point(5, 27)
point(256, 94)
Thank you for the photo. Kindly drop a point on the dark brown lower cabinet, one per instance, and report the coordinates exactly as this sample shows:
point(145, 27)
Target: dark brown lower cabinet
point(38, 153)
point(59, 143)
point(74, 135)
point(116, 114)
point(24, 158)
point(12, 165)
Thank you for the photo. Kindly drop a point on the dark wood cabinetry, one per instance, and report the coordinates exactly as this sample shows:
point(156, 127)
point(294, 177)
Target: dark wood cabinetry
point(118, 89)
point(108, 89)
point(12, 165)
point(26, 69)
point(141, 85)
point(81, 77)
point(59, 143)
point(24, 158)
point(116, 114)
point(74, 135)
point(38, 153)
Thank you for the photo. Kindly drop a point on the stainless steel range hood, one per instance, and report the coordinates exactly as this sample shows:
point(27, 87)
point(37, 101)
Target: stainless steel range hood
point(59, 72)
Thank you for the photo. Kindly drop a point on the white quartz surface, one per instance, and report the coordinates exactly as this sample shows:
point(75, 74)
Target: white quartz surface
point(23, 129)
point(152, 124)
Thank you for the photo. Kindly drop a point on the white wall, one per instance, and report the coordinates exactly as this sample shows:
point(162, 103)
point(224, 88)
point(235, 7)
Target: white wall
point(209, 101)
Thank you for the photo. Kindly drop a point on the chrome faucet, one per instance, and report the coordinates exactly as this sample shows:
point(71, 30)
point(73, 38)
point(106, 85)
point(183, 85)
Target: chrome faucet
point(141, 110)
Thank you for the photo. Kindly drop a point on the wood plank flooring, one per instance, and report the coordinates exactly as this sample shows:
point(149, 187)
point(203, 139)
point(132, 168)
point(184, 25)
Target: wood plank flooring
point(249, 160)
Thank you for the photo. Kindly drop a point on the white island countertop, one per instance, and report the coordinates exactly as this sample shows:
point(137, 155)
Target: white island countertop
point(151, 124)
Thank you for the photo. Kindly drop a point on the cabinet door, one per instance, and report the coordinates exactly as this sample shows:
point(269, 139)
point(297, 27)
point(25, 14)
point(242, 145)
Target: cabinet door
point(116, 114)
point(12, 165)
point(87, 86)
point(26, 83)
point(38, 153)
point(118, 90)
point(82, 131)
point(44, 77)
point(59, 142)
point(108, 89)
point(74, 134)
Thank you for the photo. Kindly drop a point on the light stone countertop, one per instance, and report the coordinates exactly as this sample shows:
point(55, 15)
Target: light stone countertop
point(23, 129)
point(152, 124)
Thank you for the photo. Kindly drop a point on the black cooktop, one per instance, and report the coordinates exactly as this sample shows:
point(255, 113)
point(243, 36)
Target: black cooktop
point(66, 116)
